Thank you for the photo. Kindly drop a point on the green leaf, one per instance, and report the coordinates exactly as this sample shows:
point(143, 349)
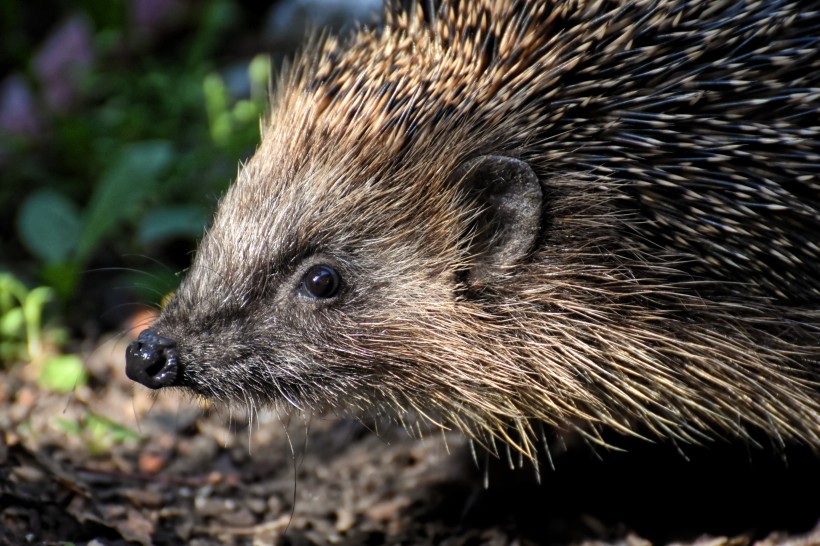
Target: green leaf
point(62, 277)
point(103, 426)
point(33, 313)
point(12, 324)
point(69, 427)
point(48, 225)
point(244, 111)
point(35, 301)
point(12, 292)
point(62, 373)
point(216, 104)
point(259, 72)
point(170, 222)
point(123, 188)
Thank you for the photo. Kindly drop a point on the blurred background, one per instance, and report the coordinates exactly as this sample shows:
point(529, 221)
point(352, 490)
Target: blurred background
point(121, 124)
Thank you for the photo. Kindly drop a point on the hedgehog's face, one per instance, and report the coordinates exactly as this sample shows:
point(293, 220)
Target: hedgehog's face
point(343, 296)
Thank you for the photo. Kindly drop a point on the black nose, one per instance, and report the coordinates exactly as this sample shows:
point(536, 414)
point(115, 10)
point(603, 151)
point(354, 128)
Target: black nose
point(152, 360)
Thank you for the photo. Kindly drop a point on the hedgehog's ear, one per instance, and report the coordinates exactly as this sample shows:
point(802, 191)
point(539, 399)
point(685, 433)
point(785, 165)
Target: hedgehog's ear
point(510, 195)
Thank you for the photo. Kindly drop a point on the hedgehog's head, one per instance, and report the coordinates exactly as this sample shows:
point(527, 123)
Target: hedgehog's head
point(339, 280)
point(348, 265)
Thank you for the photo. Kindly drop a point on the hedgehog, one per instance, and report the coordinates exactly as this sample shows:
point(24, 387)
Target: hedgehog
point(500, 215)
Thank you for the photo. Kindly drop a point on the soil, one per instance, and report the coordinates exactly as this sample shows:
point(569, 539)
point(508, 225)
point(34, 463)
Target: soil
point(111, 464)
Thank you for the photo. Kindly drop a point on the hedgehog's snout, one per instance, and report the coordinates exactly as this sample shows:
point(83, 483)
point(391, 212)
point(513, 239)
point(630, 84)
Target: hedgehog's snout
point(152, 360)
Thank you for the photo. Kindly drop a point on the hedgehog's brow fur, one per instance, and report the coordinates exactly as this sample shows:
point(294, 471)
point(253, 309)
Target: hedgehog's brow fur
point(675, 290)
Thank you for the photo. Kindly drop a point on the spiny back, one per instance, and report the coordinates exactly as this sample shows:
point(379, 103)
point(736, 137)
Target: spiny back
point(707, 109)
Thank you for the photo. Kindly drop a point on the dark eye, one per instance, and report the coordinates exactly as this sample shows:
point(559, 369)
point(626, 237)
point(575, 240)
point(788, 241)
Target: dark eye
point(321, 281)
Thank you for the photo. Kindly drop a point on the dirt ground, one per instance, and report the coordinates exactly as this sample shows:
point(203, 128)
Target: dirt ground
point(111, 464)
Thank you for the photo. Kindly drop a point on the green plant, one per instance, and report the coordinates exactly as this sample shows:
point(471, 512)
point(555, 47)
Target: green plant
point(23, 336)
point(229, 123)
point(155, 141)
point(63, 237)
point(21, 312)
point(62, 373)
point(98, 433)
